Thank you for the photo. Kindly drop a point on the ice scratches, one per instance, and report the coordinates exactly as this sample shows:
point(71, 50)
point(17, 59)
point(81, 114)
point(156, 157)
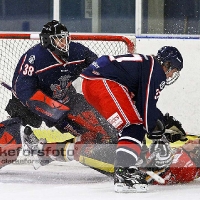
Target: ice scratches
point(54, 173)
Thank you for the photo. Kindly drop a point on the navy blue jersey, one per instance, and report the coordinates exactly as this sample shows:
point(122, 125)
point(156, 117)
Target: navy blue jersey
point(39, 68)
point(141, 74)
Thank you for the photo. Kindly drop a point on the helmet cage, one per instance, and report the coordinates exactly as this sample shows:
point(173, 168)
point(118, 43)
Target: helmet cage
point(60, 42)
point(175, 76)
point(55, 37)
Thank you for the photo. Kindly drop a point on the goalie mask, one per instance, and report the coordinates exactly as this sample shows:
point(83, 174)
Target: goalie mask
point(55, 37)
point(171, 57)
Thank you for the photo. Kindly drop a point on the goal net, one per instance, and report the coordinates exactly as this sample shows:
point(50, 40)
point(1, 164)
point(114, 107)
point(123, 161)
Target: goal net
point(13, 45)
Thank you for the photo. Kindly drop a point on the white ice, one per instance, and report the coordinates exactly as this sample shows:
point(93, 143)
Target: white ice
point(73, 181)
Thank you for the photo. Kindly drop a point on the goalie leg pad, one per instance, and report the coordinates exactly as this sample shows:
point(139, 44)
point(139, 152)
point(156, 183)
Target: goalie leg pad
point(12, 126)
point(89, 121)
point(10, 141)
point(99, 157)
point(84, 116)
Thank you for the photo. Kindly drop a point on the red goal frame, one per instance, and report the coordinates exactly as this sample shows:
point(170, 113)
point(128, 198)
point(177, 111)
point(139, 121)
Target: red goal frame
point(97, 37)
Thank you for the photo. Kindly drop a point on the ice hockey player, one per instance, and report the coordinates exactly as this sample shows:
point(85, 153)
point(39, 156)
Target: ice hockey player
point(125, 90)
point(175, 165)
point(43, 91)
point(184, 167)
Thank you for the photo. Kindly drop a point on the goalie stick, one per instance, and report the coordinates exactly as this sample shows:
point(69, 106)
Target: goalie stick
point(152, 174)
point(7, 87)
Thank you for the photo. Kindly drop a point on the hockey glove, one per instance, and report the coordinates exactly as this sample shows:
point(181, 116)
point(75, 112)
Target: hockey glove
point(175, 132)
point(173, 136)
point(162, 154)
point(158, 132)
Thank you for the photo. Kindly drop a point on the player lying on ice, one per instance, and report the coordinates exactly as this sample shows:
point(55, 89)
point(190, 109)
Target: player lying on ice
point(184, 166)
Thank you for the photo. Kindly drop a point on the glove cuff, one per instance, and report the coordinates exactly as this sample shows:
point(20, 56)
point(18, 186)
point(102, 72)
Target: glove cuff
point(158, 132)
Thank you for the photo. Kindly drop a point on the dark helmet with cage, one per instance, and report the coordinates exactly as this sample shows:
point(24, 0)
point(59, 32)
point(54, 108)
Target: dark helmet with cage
point(55, 37)
point(171, 57)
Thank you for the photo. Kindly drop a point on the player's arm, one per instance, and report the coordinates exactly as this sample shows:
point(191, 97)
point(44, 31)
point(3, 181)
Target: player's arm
point(151, 94)
point(25, 84)
point(90, 56)
point(25, 81)
point(173, 128)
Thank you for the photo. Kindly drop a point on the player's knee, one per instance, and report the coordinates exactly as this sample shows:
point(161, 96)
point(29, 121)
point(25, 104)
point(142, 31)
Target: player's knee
point(134, 131)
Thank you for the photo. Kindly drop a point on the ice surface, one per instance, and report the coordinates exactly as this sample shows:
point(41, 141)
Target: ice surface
point(73, 181)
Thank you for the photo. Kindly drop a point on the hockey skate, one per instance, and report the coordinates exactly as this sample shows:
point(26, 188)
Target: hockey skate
point(29, 139)
point(129, 180)
point(41, 159)
point(35, 148)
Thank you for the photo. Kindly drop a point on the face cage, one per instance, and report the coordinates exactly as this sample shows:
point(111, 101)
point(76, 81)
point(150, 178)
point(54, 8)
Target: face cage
point(63, 47)
point(172, 79)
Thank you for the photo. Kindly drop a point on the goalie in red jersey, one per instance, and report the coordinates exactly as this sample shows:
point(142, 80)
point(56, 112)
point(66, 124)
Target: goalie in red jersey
point(174, 164)
point(184, 167)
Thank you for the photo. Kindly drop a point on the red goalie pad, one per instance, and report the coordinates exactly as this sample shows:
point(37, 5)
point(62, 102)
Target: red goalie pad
point(10, 143)
point(46, 107)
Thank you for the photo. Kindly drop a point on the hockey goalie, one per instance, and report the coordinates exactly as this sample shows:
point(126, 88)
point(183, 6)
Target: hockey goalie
point(42, 92)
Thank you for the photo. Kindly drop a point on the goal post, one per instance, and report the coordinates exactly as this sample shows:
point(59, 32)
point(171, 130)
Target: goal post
point(129, 41)
point(13, 45)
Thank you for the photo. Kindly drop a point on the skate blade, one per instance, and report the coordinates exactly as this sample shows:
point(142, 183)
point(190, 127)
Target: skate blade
point(36, 165)
point(137, 188)
point(36, 162)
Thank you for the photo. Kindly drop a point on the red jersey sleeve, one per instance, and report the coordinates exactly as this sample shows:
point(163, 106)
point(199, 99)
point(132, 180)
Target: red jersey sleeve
point(182, 169)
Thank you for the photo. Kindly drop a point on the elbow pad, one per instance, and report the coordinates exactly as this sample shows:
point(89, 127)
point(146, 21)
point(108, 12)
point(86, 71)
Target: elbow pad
point(46, 107)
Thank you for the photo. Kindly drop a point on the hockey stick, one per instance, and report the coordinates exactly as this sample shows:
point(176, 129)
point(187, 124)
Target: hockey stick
point(152, 174)
point(155, 176)
point(6, 85)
